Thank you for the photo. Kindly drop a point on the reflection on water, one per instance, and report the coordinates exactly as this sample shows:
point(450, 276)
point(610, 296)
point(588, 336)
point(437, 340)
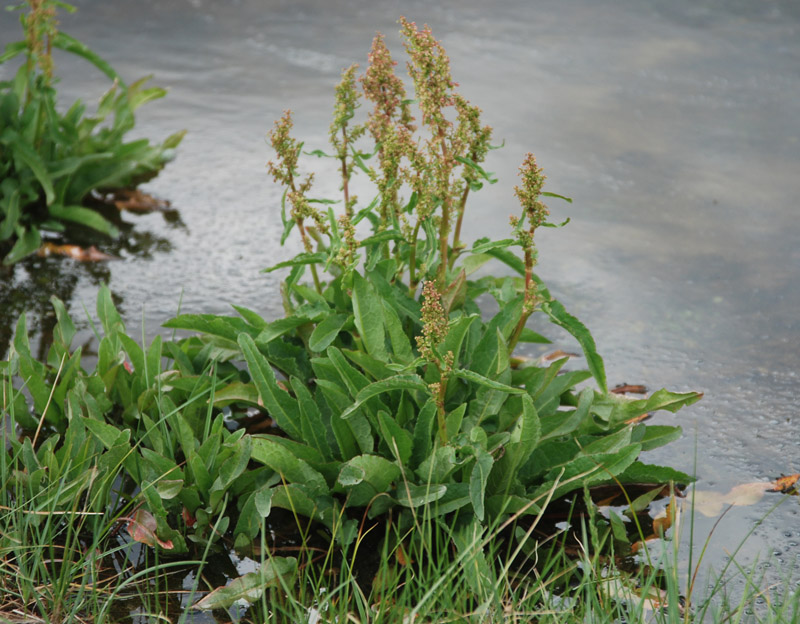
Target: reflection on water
point(673, 124)
point(29, 285)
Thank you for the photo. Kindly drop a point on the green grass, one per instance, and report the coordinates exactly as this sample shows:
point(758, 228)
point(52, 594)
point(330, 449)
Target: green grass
point(70, 566)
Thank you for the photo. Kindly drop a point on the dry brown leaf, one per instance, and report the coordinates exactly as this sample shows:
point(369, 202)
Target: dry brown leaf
point(136, 201)
point(784, 484)
point(402, 558)
point(629, 389)
point(81, 254)
point(558, 354)
point(638, 419)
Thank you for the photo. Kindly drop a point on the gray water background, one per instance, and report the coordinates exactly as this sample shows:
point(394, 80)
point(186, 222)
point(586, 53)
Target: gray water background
point(673, 124)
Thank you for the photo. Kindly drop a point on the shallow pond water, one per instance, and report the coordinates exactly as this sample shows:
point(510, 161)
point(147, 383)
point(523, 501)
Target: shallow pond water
point(674, 125)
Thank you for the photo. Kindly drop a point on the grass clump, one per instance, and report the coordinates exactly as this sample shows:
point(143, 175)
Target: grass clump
point(50, 161)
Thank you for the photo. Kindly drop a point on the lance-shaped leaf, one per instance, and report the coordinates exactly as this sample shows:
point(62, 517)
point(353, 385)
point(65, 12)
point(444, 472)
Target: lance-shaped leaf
point(368, 313)
point(249, 587)
point(301, 259)
point(227, 327)
point(478, 479)
point(396, 438)
point(282, 407)
point(311, 424)
point(559, 315)
point(486, 382)
point(616, 409)
point(398, 382)
point(524, 439)
point(288, 465)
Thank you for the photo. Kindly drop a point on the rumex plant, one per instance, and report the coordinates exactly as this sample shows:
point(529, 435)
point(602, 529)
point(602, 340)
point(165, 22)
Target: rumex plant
point(389, 388)
point(50, 161)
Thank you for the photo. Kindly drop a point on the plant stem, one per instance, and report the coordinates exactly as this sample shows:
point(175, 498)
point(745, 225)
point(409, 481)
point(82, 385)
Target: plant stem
point(457, 234)
point(412, 261)
point(345, 176)
point(307, 246)
point(527, 309)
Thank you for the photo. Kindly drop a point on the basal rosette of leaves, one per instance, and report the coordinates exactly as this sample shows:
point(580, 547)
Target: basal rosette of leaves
point(389, 395)
point(50, 160)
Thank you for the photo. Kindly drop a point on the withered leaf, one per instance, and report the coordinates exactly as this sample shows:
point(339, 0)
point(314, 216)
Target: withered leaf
point(142, 528)
point(134, 200)
point(81, 254)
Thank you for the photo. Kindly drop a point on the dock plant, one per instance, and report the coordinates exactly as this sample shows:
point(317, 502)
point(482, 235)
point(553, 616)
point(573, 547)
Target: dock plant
point(389, 388)
point(51, 160)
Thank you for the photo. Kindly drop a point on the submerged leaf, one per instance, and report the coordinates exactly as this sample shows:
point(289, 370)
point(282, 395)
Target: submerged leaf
point(249, 587)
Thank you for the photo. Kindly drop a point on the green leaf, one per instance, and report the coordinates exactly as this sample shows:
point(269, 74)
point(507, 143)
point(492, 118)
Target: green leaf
point(301, 259)
point(396, 438)
point(423, 433)
point(236, 392)
point(84, 216)
point(508, 258)
point(414, 496)
point(565, 422)
point(368, 313)
point(107, 434)
point(12, 50)
point(311, 424)
point(28, 241)
point(326, 332)
point(401, 346)
point(26, 154)
point(398, 382)
point(478, 479)
point(69, 44)
point(251, 586)
point(365, 476)
point(108, 314)
point(282, 407)
point(617, 409)
point(548, 194)
point(381, 237)
point(227, 327)
point(524, 439)
point(563, 319)
point(486, 175)
point(454, 420)
point(485, 245)
point(659, 435)
point(528, 335)
point(279, 327)
point(486, 382)
point(641, 473)
point(456, 334)
point(289, 466)
point(169, 488)
point(251, 317)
